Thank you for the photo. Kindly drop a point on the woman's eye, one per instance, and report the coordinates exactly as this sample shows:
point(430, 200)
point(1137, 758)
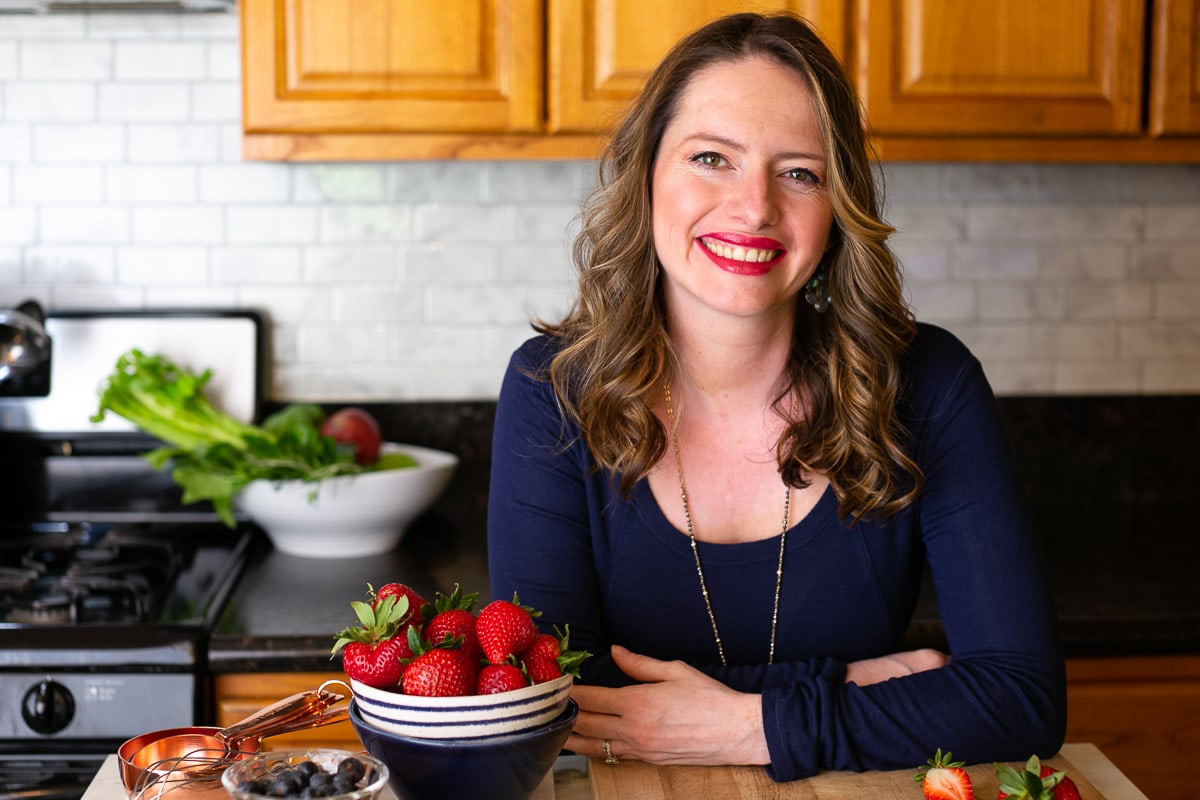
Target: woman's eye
point(803, 176)
point(707, 159)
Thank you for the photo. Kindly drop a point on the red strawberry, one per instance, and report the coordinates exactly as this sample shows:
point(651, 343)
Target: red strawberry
point(415, 601)
point(496, 678)
point(381, 665)
point(549, 657)
point(505, 629)
point(438, 671)
point(373, 651)
point(943, 779)
point(450, 619)
point(1035, 782)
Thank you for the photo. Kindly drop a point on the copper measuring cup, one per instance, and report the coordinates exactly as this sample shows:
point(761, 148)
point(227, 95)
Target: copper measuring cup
point(201, 753)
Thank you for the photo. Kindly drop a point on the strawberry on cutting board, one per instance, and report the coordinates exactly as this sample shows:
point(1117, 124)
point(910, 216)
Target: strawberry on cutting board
point(1035, 782)
point(944, 779)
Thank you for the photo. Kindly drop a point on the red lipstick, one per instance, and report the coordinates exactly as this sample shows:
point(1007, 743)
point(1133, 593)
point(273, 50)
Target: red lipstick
point(740, 266)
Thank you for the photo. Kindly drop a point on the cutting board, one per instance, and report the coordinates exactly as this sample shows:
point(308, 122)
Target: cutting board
point(631, 779)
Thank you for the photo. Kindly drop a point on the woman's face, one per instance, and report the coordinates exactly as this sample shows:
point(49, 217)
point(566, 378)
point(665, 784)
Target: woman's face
point(740, 211)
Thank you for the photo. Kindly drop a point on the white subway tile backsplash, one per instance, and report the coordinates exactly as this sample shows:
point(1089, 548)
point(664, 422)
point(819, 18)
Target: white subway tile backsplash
point(159, 61)
point(450, 263)
point(50, 101)
point(245, 183)
point(186, 143)
point(472, 223)
point(56, 60)
point(1176, 300)
point(335, 183)
point(191, 296)
point(35, 184)
point(1161, 340)
point(72, 224)
point(139, 27)
point(162, 266)
point(1173, 222)
point(433, 181)
point(1100, 377)
point(258, 264)
point(53, 262)
point(1054, 223)
point(140, 184)
point(225, 62)
point(8, 60)
point(144, 102)
point(178, 225)
point(216, 102)
point(383, 303)
point(353, 263)
point(272, 224)
point(364, 223)
point(16, 142)
point(475, 304)
point(1181, 261)
point(78, 143)
point(122, 184)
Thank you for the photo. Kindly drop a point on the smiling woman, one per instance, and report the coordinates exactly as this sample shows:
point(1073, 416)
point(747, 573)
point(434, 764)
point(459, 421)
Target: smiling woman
point(741, 326)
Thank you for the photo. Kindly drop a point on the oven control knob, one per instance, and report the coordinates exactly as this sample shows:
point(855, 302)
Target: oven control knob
point(48, 707)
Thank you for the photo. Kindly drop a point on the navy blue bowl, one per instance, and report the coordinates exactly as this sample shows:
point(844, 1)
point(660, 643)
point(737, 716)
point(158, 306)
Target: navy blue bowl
point(507, 767)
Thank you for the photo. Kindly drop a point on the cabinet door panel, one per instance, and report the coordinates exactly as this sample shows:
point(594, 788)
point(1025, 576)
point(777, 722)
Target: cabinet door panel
point(1175, 73)
point(1002, 67)
point(600, 51)
point(386, 66)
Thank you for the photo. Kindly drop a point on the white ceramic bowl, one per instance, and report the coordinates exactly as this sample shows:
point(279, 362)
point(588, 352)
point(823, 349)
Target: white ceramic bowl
point(350, 515)
point(470, 717)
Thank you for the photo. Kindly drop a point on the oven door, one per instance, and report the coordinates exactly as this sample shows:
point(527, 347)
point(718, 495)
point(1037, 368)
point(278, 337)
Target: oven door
point(43, 775)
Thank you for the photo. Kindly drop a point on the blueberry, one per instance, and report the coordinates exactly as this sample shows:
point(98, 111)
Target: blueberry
point(281, 788)
point(352, 768)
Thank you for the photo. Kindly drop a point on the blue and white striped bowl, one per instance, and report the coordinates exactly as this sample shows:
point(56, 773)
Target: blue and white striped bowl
point(471, 717)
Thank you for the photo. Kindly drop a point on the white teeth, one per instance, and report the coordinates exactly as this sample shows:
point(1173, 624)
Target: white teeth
point(751, 254)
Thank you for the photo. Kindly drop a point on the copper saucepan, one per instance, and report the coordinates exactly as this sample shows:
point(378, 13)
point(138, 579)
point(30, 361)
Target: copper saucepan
point(200, 753)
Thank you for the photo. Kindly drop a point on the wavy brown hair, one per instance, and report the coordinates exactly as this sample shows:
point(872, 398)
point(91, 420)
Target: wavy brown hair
point(845, 363)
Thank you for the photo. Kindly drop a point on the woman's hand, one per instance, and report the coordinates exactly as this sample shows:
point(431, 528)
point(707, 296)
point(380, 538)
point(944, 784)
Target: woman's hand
point(894, 665)
point(675, 715)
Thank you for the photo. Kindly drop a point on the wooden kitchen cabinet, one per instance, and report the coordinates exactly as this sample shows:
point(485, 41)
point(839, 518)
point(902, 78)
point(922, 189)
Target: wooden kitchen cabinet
point(600, 51)
point(381, 79)
point(1175, 69)
point(239, 695)
point(1143, 713)
point(992, 80)
point(1029, 80)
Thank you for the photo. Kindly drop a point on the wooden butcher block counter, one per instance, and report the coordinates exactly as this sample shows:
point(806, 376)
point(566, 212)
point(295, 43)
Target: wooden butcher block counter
point(1094, 774)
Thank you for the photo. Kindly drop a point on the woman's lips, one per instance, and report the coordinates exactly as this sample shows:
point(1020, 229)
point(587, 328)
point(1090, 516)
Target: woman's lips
point(743, 255)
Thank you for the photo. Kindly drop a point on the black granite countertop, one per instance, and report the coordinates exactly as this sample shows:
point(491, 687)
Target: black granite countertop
point(1110, 481)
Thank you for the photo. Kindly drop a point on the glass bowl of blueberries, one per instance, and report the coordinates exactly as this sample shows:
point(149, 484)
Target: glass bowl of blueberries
point(334, 774)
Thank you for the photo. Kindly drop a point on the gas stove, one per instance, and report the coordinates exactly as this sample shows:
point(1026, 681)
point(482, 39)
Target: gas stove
point(110, 587)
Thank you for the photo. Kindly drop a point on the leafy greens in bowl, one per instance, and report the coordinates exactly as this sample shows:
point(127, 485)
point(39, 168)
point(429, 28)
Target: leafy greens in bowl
point(213, 456)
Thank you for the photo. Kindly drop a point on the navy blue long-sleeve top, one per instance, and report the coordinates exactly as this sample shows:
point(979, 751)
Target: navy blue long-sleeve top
point(612, 567)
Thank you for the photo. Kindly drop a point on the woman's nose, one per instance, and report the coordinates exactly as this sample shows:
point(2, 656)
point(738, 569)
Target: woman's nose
point(754, 202)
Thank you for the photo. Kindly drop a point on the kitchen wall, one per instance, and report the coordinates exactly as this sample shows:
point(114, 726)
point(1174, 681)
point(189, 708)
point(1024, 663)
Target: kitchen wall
point(122, 185)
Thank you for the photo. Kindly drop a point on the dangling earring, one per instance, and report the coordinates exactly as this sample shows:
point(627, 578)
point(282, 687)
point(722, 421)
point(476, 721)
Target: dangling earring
point(816, 293)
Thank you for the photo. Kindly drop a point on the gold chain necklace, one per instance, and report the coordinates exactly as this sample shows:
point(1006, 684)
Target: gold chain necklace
point(687, 515)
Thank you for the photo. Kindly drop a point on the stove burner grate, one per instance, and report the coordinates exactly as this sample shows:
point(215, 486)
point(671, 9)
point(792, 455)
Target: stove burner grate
point(84, 574)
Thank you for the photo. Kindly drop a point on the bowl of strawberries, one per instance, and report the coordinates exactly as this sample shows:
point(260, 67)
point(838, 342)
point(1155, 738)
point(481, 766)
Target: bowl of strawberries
point(439, 670)
point(458, 703)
